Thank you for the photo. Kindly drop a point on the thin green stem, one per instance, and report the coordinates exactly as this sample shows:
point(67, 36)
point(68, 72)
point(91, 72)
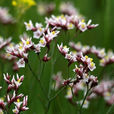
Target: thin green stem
point(52, 98)
point(80, 110)
point(52, 69)
point(68, 70)
point(34, 75)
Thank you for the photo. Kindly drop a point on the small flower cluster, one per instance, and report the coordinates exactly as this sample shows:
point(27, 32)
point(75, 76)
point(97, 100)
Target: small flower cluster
point(60, 22)
point(58, 81)
point(68, 9)
point(3, 42)
point(20, 50)
point(87, 62)
point(104, 89)
point(68, 22)
point(5, 17)
point(45, 8)
point(83, 77)
point(12, 95)
point(4, 45)
point(105, 58)
point(74, 87)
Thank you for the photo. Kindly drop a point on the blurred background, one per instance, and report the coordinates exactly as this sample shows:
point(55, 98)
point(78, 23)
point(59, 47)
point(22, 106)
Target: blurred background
point(100, 11)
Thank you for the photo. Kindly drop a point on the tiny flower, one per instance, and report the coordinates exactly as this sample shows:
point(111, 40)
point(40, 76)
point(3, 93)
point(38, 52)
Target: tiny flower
point(18, 103)
point(86, 103)
point(2, 103)
point(16, 110)
point(68, 8)
point(42, 42)
point(91, 66)
point(69, 93)
point(46, 58)
point(5, 17)
point(63, 49)
point(58, 80)
point(50, 35)
point(82, 26)
point(37, 48)
point(21, 63)
point(29, 26)
point(107, 95)
point(101, 53)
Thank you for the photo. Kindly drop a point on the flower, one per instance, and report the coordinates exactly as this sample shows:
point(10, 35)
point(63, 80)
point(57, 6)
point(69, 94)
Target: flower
point(58, 80)
point(21, 63)
point(50, 35)
point(60, 22)
point(69, 93)
point(5, 17)
point(86, 103)
point(18, 103)
point(16, 111)
point(13, 83)
point(2, 103)
point(91, 66)
point(45, 8)
point(29, 26)
point(42, 42)
point(68, 8)
point(82, 26)
point(63, 49)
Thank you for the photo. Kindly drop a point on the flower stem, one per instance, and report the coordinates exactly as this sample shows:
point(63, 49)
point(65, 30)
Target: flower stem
point(52, 69)
point(80, 110)
point(52, 98)
point(34, 75)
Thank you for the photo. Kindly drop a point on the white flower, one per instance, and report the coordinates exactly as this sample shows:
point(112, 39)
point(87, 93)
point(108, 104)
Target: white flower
point(85, 78)
point(91, 66)
point(82, 25)
point(18, 103)
point(101, 53)
point(51, 35)
point(42, 42)
point(21, 63)
point(26, 43)
point(107, 95)
point(39, 31)
point(37, 48)
point(69, 93)
point(86, 103)
point(63, 49)
point(29, 26)
point(16, 111)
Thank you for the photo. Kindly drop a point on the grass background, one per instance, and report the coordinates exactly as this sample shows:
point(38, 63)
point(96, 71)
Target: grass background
point(101, 12)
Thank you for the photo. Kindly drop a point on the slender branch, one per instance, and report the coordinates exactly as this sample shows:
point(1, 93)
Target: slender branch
point(80, 110)
point(34, 75)
point(68, 70)
point(41, 71)
point(52, 98)
point(52, 69)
